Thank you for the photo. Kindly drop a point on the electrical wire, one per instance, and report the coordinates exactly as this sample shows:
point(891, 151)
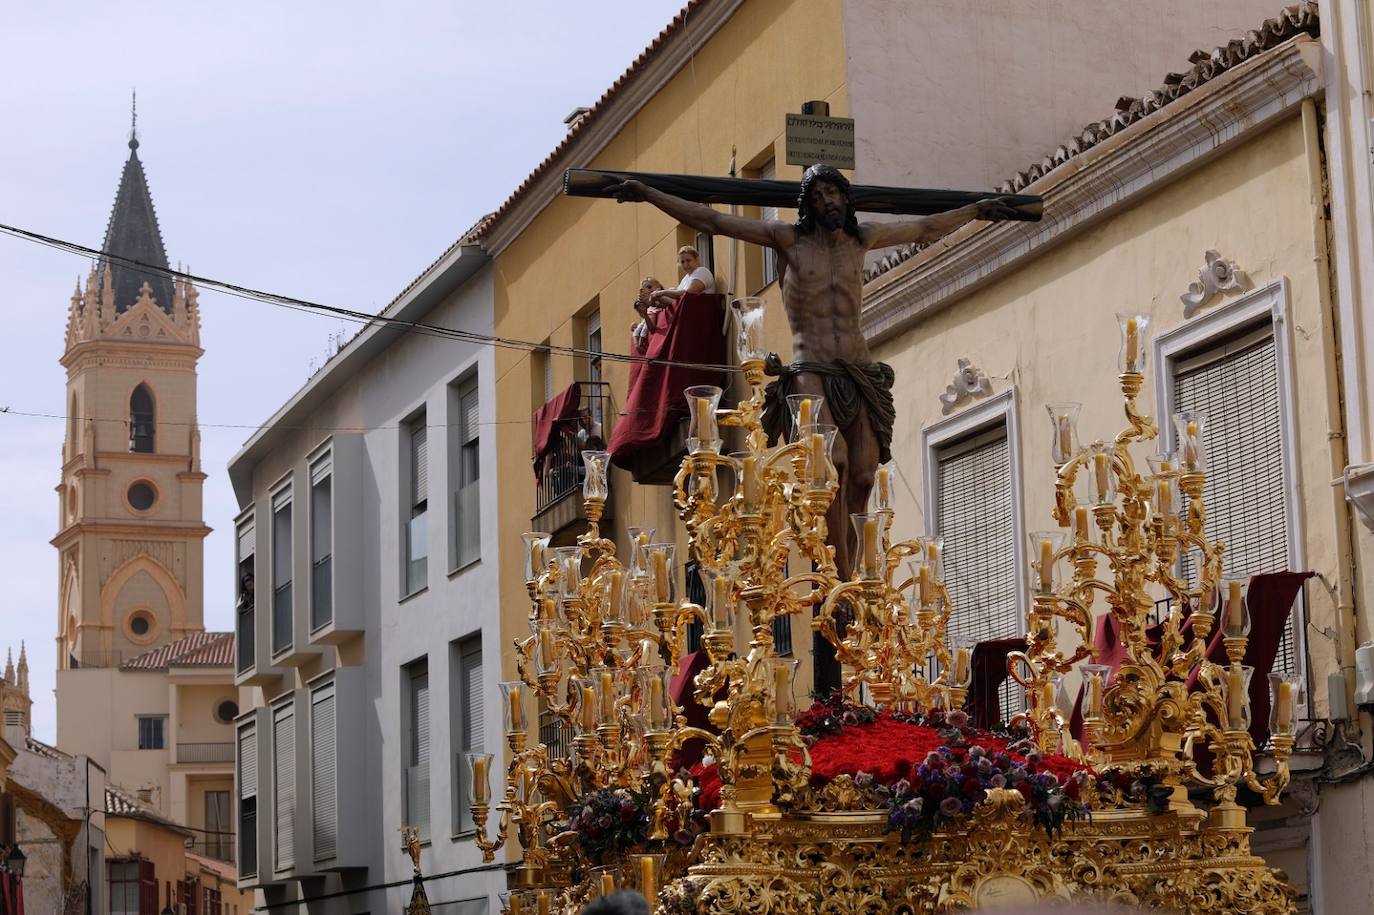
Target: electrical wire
point(346, 314)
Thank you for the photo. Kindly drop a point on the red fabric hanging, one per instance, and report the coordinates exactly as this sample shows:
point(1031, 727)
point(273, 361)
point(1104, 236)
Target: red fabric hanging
point(556, 418)
point(688, 330)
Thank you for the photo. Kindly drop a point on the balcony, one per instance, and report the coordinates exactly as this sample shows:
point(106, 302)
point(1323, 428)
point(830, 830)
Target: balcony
point(569, 421)
point(208, 752)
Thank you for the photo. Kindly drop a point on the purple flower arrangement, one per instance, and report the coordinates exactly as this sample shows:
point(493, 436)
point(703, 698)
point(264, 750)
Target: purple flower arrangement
point(610, 820)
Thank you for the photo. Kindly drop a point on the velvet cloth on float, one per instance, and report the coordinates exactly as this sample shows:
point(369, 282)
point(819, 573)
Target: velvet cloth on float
point(687, 331)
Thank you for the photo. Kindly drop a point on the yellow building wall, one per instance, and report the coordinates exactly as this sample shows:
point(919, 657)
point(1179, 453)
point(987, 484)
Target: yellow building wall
point(579, 254)
point(166, 849)
point(1050, 329)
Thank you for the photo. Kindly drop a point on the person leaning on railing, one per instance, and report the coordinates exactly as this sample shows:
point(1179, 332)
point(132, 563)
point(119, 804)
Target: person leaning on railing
point(648, 315)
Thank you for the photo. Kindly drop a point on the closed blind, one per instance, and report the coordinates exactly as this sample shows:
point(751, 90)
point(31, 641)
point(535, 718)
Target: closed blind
point(246, 541)
point(1236, 385)
point(323, 772)
point(770, 256)
point(474, 728)
point(469, 410)
point(248, 762)
point(284, 785)
point(417, 773)
point(419, 462)
point(973, 513)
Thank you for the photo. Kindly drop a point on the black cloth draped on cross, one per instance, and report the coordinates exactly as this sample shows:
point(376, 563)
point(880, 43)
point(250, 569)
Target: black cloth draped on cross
point(849, 388)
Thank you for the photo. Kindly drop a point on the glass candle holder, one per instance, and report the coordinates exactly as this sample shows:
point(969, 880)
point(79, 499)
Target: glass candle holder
point(513, 705)
point(1064, 423)
point(613, 602)
point(546, 654)
point(568, 561)
point(820, 439)
point(1103, 477)
point(1190, 428)
point(922, 585)
point(1049, 691)
point(585, 691)
point(654, 684)
point(703, 432)
point(607, 692)
point(720, 601)
point(749, 344)
point(536, 551)
point(595, 484)
point(1095, 677)
point(961, 662)
point(661, 577)
point(1285, 695)
point(869, 529)
point(1164, 496)
point(880, 496)
point(784, 674)
point(1163, 464)
point(1134, 340)
point(749, 477)
point(1238, 697)
point(478, 766)
point(1236, 619)
point(805, 409)
point(1044, 567)
point(511, 903)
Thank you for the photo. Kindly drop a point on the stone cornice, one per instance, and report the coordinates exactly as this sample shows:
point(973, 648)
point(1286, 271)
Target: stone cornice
point(661, 66)
point(159, 530)
point(151, 353)
point(1137, 161)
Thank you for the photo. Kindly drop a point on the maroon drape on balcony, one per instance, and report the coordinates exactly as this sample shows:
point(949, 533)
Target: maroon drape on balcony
point(556, 418)
point(989, 673)
point(682, 690)
point(689, 331)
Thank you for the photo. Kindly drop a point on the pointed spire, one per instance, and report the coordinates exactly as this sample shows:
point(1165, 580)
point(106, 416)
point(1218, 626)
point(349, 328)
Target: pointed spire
point(23, 668)
point(9, 665)
point(133, 235)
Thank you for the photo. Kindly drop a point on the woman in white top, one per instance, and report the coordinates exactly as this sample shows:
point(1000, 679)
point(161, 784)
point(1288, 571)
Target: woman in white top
point(695, 278)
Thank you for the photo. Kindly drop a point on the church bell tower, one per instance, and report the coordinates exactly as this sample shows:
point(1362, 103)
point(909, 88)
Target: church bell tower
point(130, 535)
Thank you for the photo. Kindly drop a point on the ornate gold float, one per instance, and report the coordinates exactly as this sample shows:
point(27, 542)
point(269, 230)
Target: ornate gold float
point(1166, 730)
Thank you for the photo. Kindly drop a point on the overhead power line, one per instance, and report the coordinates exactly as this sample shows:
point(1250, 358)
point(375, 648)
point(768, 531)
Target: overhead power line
point(347, 314)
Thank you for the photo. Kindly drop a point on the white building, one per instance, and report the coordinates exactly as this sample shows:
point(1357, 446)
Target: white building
point(368, 524)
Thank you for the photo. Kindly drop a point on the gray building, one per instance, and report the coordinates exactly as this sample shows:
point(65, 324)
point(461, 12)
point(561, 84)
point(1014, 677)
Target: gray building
point(367, 524)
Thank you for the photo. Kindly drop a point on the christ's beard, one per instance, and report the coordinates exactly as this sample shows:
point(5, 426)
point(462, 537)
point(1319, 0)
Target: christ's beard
point(832, 219)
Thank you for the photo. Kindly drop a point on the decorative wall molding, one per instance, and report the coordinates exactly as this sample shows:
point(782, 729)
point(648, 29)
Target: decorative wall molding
point(1138, 161)
point(1217, 275)
point(969, 382)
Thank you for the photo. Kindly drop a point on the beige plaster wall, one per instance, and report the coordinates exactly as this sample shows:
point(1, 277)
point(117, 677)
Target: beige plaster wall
point(1049, 329)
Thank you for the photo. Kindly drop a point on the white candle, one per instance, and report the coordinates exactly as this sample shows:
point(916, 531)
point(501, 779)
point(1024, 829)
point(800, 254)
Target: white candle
point(751, 480)
point(870, 550)
point(481, 789)
point(705, 415)
point(884, 489)
point(661, 575)
point(1132, 343)
point(1284, 711)
point(1190, 446)
point(1235, 606)
point(607, 697)
point(1102, 471)
point(1046, 565)
point(1065, 437)
point(1235, 697)
point(804, 413)
point(818, 462)
point(517, 710)
point(1080, 521)
point(656, 709)
point(961, 661)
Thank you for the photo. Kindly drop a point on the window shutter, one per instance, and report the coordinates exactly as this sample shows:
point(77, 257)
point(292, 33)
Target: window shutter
point(474, 729)
point(1237, 386)
point(973, 513)
point(417, 774)
point(419, 462)
point(770, 255)
point(469, 410)
point(323, 772)
point(284, 784)
point(246, 541)
point(281, 544)
point(248, 762)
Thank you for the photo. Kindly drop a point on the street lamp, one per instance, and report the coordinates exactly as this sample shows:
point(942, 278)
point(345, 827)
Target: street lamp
point(15, 861)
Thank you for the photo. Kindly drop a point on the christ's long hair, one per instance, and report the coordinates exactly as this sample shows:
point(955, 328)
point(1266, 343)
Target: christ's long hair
point(806, 220)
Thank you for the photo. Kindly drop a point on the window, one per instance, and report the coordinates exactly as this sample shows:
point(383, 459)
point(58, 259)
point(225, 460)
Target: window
point(133, 887)
point(417, 527)
point(150, 732)
point(219, 838)
point(769, 171)
point(248, 800)
point(467, 470)
point(1236, 384)
point(705, 243)
point(324, 772)
point(226, 711)
point(594, 368)
point(243, 596)
point(142, 496)
point(281, 570)
point(142, 420)
point(696, 593)
point(284, 785)
point(416, 770)
point(321, 543)
point(470, 733)
point(974, 498)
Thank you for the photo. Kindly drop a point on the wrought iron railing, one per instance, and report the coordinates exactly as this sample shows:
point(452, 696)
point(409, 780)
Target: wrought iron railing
point(206, 752)
point(562, 471)
point(555, 735)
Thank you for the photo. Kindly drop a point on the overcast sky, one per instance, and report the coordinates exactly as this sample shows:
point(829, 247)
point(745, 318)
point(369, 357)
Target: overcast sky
point(329, 151)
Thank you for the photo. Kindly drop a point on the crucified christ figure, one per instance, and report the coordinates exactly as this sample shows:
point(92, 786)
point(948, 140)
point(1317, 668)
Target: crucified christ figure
point(820, 270)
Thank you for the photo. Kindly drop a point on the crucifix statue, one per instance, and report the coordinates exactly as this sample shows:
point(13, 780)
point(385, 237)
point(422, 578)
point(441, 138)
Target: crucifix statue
point(820, 272)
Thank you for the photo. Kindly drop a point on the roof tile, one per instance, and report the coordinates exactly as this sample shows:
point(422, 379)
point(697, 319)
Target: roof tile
point(199, 649)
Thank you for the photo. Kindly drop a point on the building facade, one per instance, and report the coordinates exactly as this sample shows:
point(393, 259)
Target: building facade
point(368, 626)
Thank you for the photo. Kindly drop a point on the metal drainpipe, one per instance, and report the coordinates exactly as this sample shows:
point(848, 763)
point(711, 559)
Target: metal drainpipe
point(1336, 436)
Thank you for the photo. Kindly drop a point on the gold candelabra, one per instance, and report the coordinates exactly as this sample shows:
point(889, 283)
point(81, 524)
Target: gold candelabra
point(606, 638)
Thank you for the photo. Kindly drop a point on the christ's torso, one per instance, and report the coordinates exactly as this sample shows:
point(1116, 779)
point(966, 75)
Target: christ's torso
point(822, 292)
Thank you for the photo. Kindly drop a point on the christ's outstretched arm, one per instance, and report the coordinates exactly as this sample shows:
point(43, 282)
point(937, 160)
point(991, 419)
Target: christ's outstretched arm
point(703, 218)
point(923, 229)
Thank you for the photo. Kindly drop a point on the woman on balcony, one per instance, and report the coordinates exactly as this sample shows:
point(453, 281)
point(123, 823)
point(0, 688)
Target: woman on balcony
point(648, 315)
point(695, 278)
